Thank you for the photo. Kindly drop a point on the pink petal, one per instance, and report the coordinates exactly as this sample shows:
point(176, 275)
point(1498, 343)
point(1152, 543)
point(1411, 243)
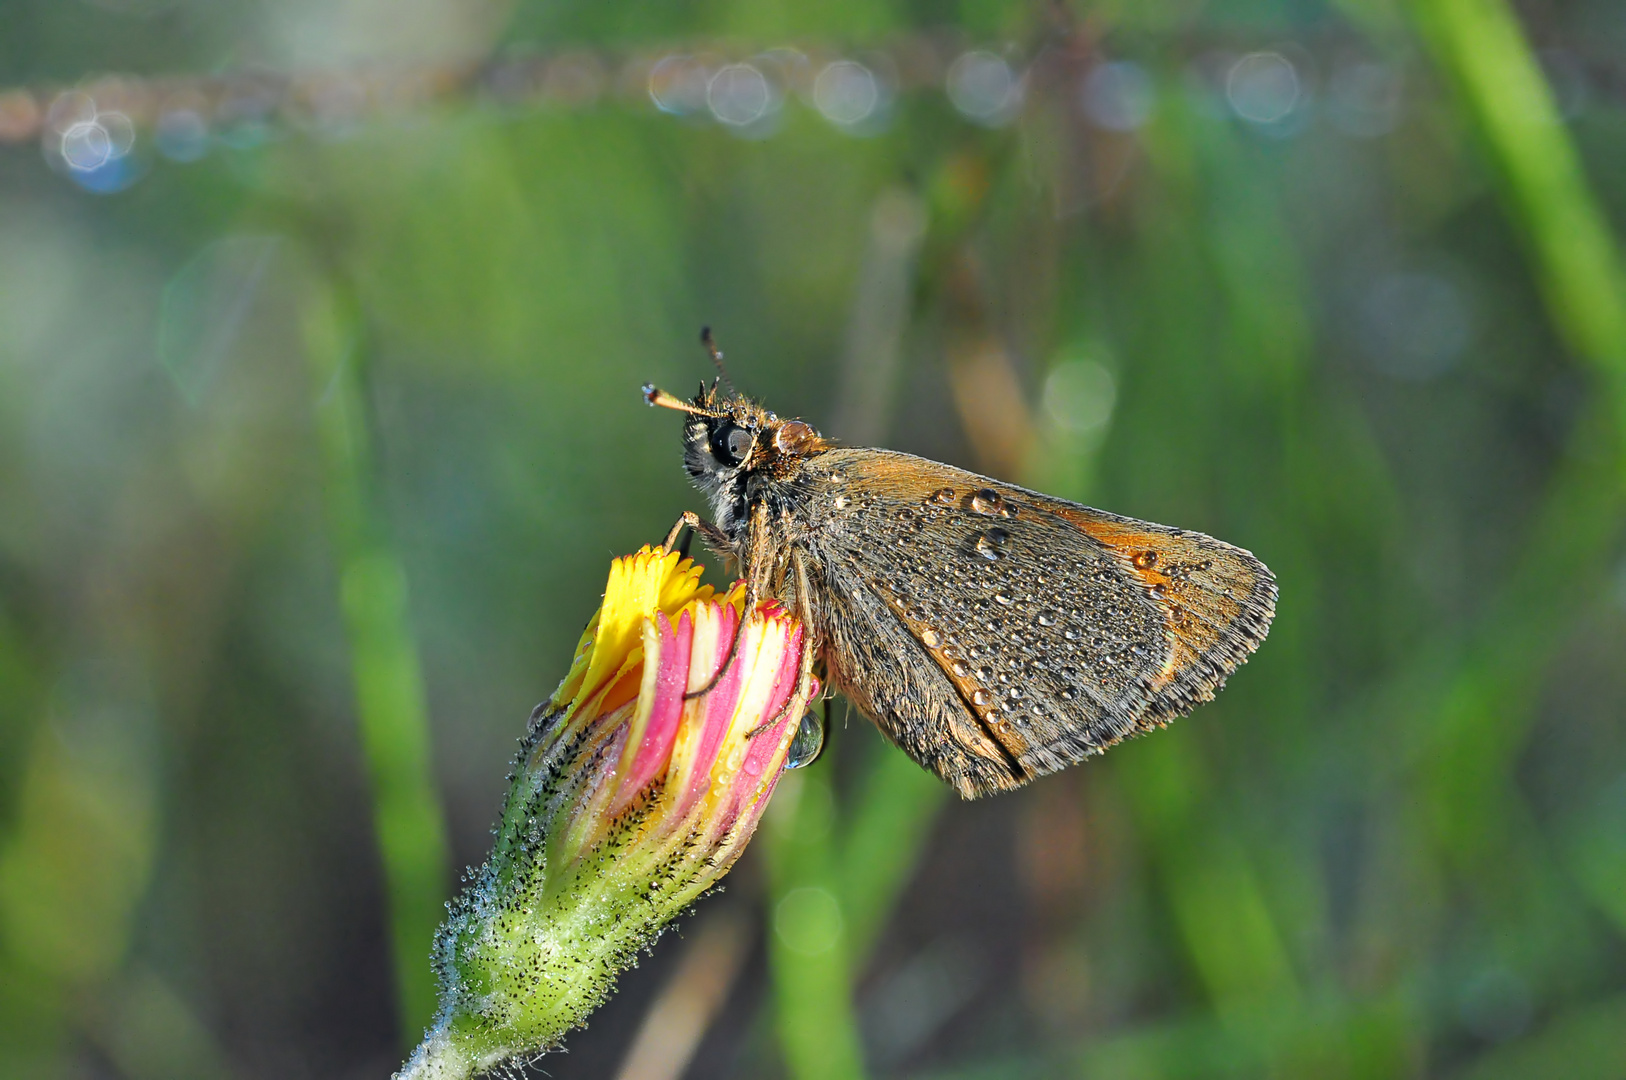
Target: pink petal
point(765, 745)
point(671, 680)
point(716, 713)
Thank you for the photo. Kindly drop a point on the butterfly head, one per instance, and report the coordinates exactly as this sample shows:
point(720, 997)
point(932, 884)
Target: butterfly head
point(729, 441)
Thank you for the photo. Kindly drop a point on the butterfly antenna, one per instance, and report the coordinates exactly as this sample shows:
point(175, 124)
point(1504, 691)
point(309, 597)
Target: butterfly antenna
point(656, 396)
point(716, 355)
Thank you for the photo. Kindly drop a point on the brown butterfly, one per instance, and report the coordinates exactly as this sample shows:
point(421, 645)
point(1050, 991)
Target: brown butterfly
point(993, 633)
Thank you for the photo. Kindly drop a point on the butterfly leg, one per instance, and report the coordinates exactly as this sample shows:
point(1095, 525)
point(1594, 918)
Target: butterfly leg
point(710, 533)
point(755, 565)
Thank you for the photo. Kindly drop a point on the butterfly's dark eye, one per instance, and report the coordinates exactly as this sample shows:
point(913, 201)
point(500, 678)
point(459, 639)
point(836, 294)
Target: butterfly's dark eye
point(733, 443)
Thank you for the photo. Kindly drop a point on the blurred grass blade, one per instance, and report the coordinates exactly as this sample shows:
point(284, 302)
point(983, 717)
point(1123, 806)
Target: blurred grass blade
point(680, 1016)
point(1487, 714)
point(384, 663)
point(809, 936)
point(1480, 45)
point(883, 843)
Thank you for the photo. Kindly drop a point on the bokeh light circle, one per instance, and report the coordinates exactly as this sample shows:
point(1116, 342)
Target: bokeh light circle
point(983, 88)
point(846, 93)
point(1263, 87)
point(738, 95)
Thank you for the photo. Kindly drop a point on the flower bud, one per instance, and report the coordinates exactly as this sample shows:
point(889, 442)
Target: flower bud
point(629, 799)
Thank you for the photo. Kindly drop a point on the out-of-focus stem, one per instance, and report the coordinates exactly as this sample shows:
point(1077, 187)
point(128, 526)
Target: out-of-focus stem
point(885, 838)
point(1481, 47)
point(677, 1021)
point(1483, 713)
point(862, 862)
point(817, 1030)
point(383, 660)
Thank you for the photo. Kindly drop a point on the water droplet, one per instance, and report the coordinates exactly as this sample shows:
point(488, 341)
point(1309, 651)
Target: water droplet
point(987, 501)
point(951, 651)
point(841, 502)
point(985, 673)
point(1036, 709)
point(961, 669)
point(943, 496)
point(1015, 693)
point(1145, 560)
point(1001, 598)
point(793, 436)
point(808, 742)
point(929, 638)
point(991, 543)
point(1046, 618)
point(1069, 693)
point(1069, 672)
point(1160, 589)
point(981, 697)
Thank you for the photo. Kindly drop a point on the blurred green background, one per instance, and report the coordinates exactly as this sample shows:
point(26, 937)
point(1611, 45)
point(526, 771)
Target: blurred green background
point(321, 333)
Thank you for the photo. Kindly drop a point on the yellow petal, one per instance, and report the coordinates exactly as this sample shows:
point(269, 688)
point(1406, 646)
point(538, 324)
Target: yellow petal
point(640, 585)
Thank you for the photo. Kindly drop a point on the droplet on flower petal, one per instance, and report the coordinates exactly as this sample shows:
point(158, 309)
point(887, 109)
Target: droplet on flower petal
point(808, 744)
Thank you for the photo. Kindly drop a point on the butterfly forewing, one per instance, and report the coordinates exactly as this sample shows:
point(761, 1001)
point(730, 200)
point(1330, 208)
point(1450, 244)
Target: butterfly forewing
point(1043, 631)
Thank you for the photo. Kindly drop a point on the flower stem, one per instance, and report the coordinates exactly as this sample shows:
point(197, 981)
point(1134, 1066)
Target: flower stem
point(438, 1057)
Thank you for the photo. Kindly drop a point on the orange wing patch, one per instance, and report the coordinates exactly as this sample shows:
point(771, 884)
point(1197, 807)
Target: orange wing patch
point(1203, 587)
